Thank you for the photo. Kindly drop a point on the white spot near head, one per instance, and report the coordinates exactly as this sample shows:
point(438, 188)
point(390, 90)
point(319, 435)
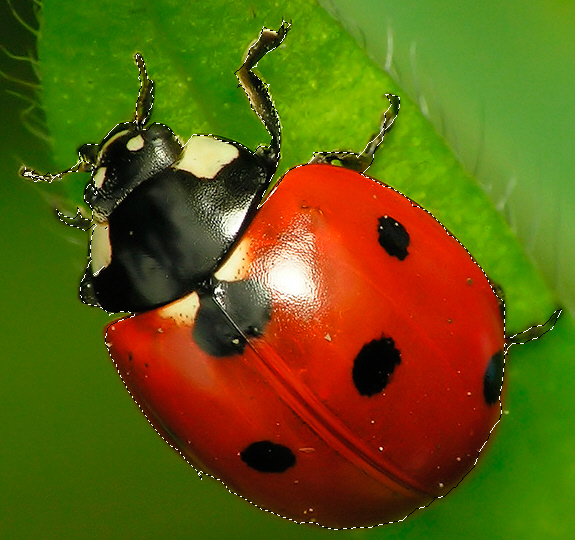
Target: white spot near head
point(205, 156)
point(235, 267)
point(135, 143)
point(100, 248)
point(182, 311)
point(99, 177)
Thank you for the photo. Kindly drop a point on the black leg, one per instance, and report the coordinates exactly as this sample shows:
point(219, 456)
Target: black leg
point(534, 332)
point(146, 96)
point(257, 91)
point(361, 162)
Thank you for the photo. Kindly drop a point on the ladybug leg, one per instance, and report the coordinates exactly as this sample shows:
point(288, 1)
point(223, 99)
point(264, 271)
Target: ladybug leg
point(257, 91)
point(361, 162)
point(79, 220)
point(535, 332)
point(82, 166)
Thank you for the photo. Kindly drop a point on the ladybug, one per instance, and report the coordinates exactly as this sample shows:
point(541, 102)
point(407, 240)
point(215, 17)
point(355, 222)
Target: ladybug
point(330, 352)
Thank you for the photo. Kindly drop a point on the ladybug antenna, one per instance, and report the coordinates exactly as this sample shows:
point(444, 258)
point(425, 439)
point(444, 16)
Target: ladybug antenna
point(88, 152)
point(35, 176)
point(361, 162)
point(535, 332)
point(145, 100)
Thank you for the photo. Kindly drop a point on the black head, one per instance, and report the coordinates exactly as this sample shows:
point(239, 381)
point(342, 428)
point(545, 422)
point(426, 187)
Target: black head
point(126, 157)
point(129, 154)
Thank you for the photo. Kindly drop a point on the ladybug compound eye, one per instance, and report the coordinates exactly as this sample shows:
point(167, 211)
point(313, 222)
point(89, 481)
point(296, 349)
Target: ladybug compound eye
point(88, 152)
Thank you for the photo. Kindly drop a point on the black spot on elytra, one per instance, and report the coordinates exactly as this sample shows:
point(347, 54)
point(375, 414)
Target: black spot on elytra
point(268, 457)
point(393, 237)
point(493, 378)
point(374, 365)
point(229, 314)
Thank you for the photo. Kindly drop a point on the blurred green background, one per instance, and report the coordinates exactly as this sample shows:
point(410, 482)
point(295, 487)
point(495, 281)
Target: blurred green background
point(77, 459)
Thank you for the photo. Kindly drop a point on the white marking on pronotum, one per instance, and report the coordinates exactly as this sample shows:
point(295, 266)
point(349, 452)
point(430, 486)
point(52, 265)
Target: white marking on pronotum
point(99, 177)
point(205, 156)
point(236, 266)
point(183, 311)
point(100, 248)
point(135, 143)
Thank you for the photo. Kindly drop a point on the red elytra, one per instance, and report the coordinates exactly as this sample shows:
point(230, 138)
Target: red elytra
point(363, 453)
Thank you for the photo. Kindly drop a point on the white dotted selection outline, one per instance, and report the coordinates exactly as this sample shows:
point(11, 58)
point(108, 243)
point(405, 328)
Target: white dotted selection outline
point(509, 341)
